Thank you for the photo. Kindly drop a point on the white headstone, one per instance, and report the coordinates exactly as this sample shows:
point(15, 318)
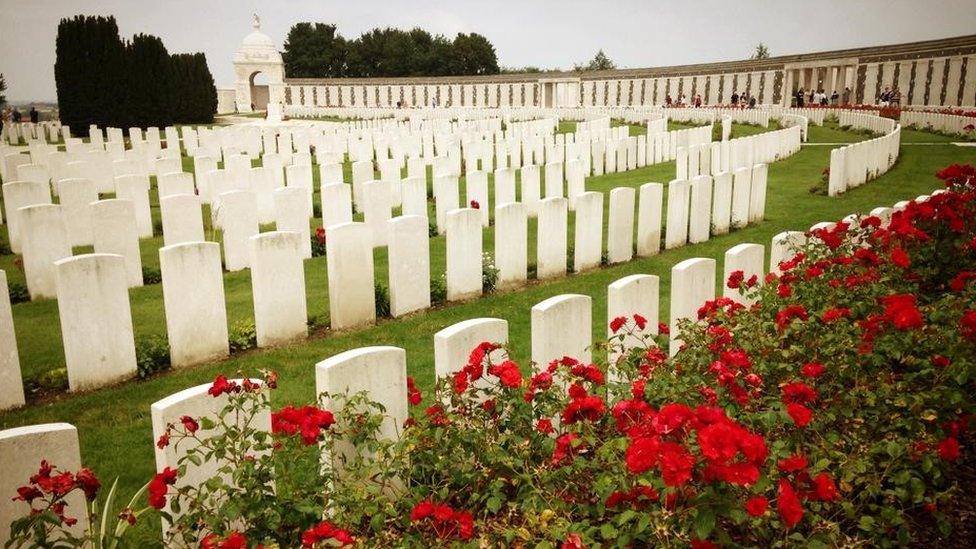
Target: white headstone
point(620, 231)
point(464, 248)
point(701, 209)
point(413, 191)
point(114, 223)
point(11, 382)
point(278, 287)
point(96, 320)
point(135, 188)
point(76, 196)
point(169, 184)
point(409, 258)
point(783, 247)
point(722, 202)
point(748, 258)
point(757, 193)
point(530, 188)
point(446, 198)
point(193, 298)
point(45, 240)
point(551, 238)
point(476, 183)
point(454, 344)
point(182, 219)
point(379, 371)
point(511, 244)
point(336, 204)
point(649, 206)
point(679, 196)
point(21, 451)
point(562, 326)
point(741, 190)
point(349, 252)
point(18, 194)
point(692, 284)
point(239, 222)
point(291, 214)
point(504, 186)
point(588, 241)
point(633, 295)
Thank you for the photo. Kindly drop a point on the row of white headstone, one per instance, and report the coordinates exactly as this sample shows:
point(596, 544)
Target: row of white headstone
point(14, 132)
point(560, 326)
point(940, 122)
point(855, 164)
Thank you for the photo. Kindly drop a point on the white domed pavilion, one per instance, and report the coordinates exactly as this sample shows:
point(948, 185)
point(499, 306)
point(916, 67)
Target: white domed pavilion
point(258, 55)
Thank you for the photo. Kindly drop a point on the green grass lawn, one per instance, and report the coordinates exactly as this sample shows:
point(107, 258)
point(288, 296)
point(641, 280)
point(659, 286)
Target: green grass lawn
point(114, 423)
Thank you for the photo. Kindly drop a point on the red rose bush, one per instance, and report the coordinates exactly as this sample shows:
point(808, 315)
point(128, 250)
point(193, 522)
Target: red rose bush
point(832, 411)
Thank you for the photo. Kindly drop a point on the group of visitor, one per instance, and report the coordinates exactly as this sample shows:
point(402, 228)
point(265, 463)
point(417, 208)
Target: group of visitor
point(890, 97)
point(743, 100)
point(14, 115)
point(818, 97)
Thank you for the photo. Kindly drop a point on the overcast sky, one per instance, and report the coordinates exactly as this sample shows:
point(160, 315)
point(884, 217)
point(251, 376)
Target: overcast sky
point(544, 33)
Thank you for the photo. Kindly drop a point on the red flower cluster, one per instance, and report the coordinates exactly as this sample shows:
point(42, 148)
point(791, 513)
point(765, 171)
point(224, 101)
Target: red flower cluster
point(638, 497)
point(159, 485)
point(475, 205)
point(796, 396)
point(50, 486)
point(234, 540)
point(307, 421)
point(582, 406)
point(902, 313)
point(445, 522)
point(414, 396)
point(320, 235)
point(325, 531)
point(619, 322)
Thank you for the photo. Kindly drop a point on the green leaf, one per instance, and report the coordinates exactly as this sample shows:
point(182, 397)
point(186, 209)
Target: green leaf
point(704, 523)
point(866, 523)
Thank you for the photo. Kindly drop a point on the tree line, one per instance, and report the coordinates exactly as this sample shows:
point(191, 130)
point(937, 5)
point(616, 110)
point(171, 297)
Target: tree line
point(104, 80)
point(317, 50)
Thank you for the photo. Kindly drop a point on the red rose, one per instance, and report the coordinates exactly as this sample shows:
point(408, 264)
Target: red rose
point(901, 312)
point(967, 325)
point(812, 370)
point(800, 414)
point(544, 426)
point(948, 449)
point(757, 505)
point(900, 258)
point(640, 321)
point(158, 487)
point(222, 386)
point(86, 480)
point(641, 455)
point(789, 504)
point(189, 424)
point(617, 323)
point(824, 488)
point(793, 463)
point(413, 394)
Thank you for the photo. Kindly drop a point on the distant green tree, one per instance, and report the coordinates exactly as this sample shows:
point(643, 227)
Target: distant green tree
point(106, 81)
point(315, 51)
point(600, 62)
point(474, 54)
point(761, 52)
point(318, 51)
point(3, 88)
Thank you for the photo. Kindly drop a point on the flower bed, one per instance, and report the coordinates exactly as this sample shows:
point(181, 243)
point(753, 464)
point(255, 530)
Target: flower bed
point(832, 412)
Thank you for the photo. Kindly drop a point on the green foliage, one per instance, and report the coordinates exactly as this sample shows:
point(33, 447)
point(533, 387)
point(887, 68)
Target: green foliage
point(243, 336)
point(318, 242)
point(106, 81)
point(489, 273)
point(600, 62)
point(151, 275)
point(761, 52)
point(319, 51)
point(382, 295)
point(152, 355)
point(18, 292)
point(438, 290)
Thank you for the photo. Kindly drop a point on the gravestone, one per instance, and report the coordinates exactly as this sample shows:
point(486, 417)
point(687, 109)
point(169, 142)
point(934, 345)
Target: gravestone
point(511, 244)
point(193, 298)
point(679, 196)
point(76, 196)
point(554, 180)
point(182, 219)
point(748, 258)
point(464, 249)
point(96, 320)
point(783, 247)
point(349, 252)
point(19, 194)
point(476, 183)
point(239, 222)
point(562, 326)
point(530, 190)
point(336, 204)
point(620, 231)
point(291, 214)
point(11, 382)
point(649, 219)
point(757, 193)
point(174, 183)
point(741, 190)
point(45, 240)
point(454, 344)
point(692, 284)
point(722, 202)
point(633, 295)
point(701, 209)
point(588, 241)
point(551, 238)
point(114, 223)
point(504, 186)
point(278, 286)
point(409, 259)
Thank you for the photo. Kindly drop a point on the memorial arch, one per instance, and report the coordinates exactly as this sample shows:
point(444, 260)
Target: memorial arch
point(259, 71)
